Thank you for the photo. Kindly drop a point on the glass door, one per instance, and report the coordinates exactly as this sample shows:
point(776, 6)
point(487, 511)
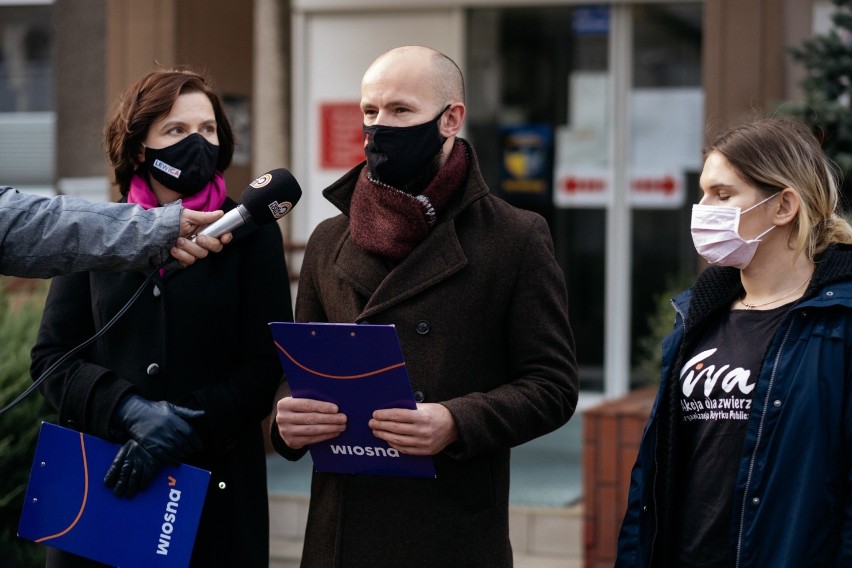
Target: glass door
point(592, 116)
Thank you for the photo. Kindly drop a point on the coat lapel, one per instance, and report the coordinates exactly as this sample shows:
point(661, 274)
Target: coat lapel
point(438, 257)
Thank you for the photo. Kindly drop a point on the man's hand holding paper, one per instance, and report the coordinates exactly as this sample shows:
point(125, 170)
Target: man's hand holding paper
point(303, 421)
point(422, 432)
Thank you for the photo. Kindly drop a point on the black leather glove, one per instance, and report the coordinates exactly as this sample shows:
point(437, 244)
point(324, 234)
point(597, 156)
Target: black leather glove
point(132, 470)
point(160, 427)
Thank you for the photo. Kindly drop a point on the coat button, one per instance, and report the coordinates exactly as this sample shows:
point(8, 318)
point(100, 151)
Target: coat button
point(755, 501)
point(422, 327)
point(152, 369)
point(419, 396)
point(157, 292)
point(777, 403)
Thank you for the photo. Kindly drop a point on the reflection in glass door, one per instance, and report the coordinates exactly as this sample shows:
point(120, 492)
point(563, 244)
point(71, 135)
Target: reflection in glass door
point(537, 81)
point(664, 161)
point(600, 132)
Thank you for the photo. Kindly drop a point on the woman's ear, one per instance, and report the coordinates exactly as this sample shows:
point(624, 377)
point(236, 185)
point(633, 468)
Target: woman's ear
point(788, 204)
point(140, 155)
point(452, 120)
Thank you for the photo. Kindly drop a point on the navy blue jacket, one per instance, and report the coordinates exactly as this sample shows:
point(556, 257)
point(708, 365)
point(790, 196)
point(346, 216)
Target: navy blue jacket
point(792, 502)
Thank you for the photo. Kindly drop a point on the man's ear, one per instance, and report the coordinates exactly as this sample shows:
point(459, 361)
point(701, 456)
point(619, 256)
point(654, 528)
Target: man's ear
point(788, 204)
point(451, 122)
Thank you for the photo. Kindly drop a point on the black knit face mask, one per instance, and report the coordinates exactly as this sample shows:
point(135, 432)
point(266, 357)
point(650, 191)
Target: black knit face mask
point(397, 154)
point(186, 166)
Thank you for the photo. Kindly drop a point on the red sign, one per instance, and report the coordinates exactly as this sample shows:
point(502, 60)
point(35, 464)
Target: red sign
point(577, 184)
point(666, 185)
point(341, 139)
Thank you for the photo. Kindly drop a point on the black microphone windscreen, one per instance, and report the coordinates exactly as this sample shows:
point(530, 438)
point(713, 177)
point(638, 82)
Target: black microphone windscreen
point(271, 196)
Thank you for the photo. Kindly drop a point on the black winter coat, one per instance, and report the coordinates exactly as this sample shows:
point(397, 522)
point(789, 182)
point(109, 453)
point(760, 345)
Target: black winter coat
point(198, 337)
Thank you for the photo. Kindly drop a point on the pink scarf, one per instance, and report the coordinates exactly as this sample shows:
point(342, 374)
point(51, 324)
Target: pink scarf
point(210, 198)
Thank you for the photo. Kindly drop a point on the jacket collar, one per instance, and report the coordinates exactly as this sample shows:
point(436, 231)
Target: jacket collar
point(340, 192)
point(717, 287)
point(436, 258)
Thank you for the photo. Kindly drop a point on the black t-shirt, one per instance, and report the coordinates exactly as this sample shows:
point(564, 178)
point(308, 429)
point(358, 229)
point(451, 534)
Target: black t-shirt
point(716, 384)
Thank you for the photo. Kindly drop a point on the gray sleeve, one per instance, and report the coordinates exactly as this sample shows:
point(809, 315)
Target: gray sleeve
point(41, 237)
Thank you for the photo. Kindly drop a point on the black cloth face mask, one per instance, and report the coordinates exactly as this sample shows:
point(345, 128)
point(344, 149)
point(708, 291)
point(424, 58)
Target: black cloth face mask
point(186, 166)
point(396, 154)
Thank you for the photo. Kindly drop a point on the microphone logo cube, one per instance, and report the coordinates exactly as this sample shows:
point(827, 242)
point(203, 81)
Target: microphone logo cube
point(261, 181)
point(280, 209)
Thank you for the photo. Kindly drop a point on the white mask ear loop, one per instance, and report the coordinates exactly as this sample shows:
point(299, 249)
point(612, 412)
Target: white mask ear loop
point(763, 234)
point(759, 203)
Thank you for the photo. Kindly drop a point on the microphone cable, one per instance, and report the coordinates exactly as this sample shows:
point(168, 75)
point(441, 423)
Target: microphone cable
point(95, 337)
point(285, 195)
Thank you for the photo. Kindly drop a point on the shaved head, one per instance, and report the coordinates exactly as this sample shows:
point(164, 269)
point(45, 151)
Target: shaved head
point(444, 76)
point(414, 85)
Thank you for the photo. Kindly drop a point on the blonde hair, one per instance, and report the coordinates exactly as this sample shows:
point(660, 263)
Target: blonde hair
point(772, 154)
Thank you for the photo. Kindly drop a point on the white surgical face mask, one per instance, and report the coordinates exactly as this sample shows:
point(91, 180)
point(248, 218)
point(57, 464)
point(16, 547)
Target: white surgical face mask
point(715, 234)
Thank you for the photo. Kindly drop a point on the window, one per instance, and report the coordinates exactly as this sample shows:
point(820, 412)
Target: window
point(26, 97)
point(539, 93)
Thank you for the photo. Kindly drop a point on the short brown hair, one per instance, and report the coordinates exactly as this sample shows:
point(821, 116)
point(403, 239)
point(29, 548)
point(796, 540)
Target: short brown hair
point(142, 104)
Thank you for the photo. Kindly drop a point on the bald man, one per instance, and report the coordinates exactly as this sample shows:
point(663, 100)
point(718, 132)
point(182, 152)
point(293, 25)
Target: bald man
point(42, 237)
point(480, 306)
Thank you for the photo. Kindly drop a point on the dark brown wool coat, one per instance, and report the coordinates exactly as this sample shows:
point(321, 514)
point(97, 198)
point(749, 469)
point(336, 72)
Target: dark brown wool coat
point(205, 328)
point(481, 311)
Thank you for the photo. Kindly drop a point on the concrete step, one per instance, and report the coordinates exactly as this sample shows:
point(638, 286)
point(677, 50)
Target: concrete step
point(284, 553)
point(542, 537)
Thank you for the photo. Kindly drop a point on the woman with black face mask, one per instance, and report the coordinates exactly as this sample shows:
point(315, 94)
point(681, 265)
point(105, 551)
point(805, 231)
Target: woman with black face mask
point(187, 374)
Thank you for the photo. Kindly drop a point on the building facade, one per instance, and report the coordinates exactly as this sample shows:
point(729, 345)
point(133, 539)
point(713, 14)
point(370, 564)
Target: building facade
point(591, 114)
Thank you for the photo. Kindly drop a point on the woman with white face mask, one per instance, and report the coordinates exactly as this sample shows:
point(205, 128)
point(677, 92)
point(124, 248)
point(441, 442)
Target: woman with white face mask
point(747, 458)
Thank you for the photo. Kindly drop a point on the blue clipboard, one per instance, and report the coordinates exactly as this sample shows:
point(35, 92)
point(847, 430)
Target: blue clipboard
point(360, 368)
point(68, 507)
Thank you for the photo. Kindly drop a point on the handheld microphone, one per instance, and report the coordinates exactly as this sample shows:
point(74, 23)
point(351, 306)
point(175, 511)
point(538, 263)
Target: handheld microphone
point(266, 199)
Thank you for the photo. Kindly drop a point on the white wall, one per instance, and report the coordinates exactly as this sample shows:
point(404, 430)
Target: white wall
point(331, 51)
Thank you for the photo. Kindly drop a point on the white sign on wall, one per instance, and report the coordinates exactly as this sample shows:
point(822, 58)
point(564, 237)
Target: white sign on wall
point(665, 143)
point(582, 174)
point(332, 50)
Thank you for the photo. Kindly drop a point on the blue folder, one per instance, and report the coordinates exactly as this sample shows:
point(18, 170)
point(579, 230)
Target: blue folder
point(360, 368)
point(68, 507)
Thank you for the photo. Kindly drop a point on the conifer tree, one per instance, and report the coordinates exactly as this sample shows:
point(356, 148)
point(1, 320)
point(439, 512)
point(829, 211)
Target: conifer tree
point(19, 426)
point(827, 89)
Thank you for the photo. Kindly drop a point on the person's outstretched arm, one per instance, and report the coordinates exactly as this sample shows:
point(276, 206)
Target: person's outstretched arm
point(41, 237)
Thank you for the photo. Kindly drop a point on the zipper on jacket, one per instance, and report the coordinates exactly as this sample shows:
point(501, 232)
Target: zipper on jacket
point(654, 491)
point(757, 444)
point(654, 502)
